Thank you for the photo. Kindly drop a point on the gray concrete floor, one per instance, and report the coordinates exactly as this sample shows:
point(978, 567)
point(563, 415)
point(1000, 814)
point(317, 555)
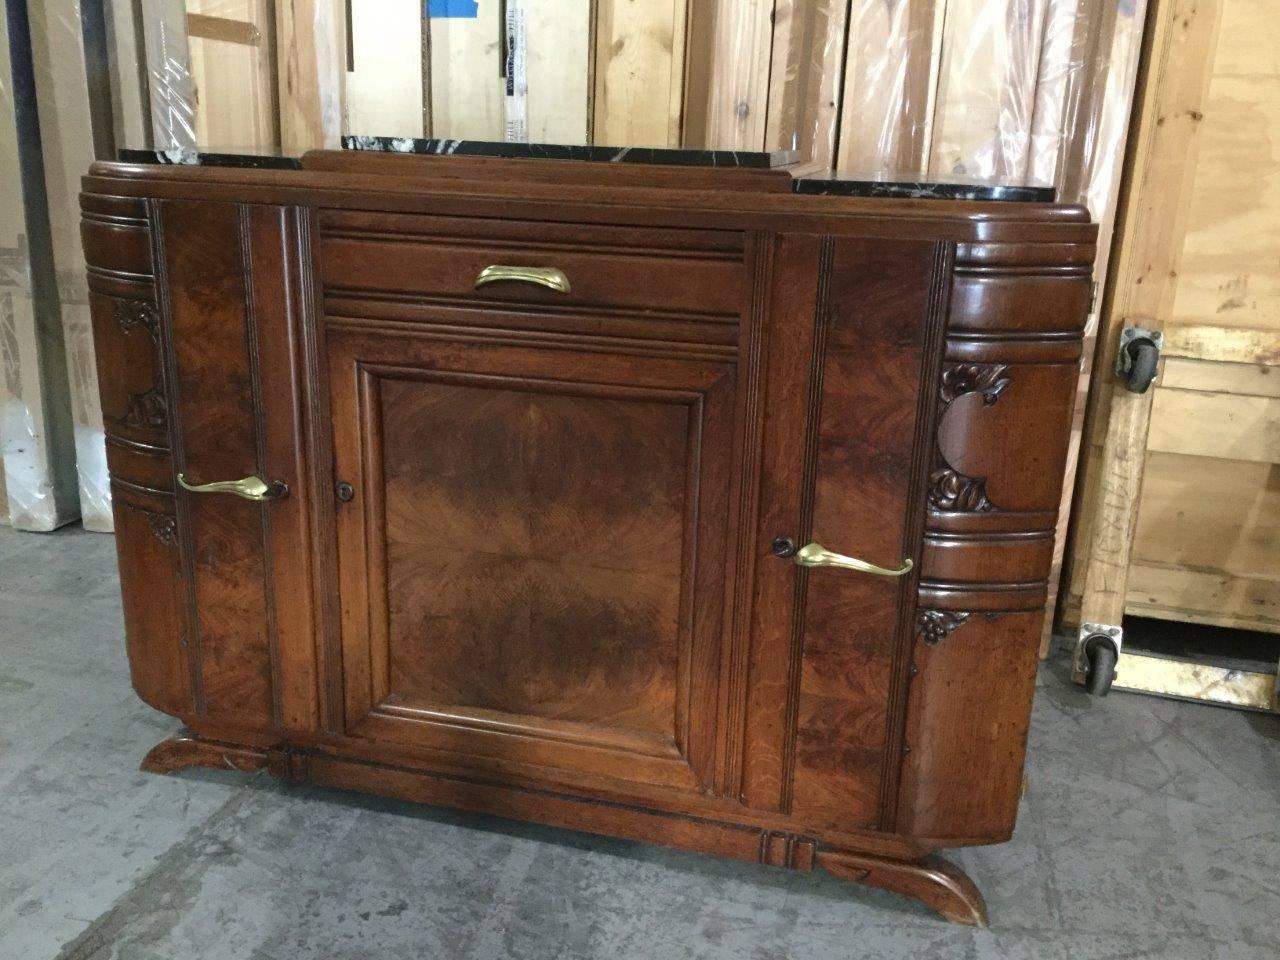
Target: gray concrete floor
point(1150, 829)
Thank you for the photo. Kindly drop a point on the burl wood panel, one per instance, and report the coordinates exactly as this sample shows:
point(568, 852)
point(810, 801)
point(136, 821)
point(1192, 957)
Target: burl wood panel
point(534, 547)
point(215, 438)
point(876, 314)
point(531, 560)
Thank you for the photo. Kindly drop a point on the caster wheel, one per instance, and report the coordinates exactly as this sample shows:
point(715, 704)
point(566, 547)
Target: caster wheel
point(1144, 357)
point(1101, 654)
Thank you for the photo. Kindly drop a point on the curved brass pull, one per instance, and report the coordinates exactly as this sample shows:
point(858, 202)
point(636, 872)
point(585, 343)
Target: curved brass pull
point(548, 277)
point(816, 555)
point(250, 488)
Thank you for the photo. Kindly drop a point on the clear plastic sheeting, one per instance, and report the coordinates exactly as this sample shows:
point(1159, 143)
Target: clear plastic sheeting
point(72, 136)
point(170, 85)
point(804, 90)
point(890, 85)
point(35, 441)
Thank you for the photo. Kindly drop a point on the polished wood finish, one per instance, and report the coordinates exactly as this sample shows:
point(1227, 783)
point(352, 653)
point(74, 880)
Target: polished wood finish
point(534, 556)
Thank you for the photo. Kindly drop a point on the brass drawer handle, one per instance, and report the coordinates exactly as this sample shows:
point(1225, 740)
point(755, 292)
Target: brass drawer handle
point(548, 277)
point(250, 488)
point(816, 555)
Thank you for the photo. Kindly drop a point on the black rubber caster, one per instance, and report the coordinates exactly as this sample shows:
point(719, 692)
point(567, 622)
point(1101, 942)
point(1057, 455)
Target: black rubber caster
point(1144, 358)
point(1100, 654)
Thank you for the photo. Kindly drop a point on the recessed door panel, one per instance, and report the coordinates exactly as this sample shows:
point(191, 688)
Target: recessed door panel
point(532, 563)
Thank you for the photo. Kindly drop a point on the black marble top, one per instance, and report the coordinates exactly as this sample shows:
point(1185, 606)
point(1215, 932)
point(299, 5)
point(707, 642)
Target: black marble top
point(255, 159)
point(761, 160)
point(835, 184)
point(839, 184)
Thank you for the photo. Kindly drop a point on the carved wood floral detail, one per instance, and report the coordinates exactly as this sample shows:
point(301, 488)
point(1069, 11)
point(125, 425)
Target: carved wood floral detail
point(987, 379)
point(934, 626)
point(162, 525)
point(950, 490)
point(147, 409)
point(132, 314)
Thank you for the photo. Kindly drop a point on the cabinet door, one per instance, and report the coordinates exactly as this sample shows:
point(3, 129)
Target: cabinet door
point(532, 561)
point(856, 332)
point(230, 331)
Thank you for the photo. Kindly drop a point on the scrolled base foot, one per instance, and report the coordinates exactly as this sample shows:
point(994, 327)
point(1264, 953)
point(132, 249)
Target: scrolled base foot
point(182, 751)
point(939, 885)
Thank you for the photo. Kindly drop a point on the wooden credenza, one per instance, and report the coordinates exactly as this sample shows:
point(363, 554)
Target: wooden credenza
point(528, 454)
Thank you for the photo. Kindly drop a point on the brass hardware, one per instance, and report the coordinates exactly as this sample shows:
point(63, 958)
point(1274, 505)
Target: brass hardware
point(816, 555)
point(250, 488)
point(548, 277)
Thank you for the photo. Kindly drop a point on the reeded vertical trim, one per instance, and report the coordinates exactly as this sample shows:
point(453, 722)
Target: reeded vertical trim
point(245, 240)
point(795, 650)
point(318, 429)
point(745, 500)
point(924, 444)
point(190, 640)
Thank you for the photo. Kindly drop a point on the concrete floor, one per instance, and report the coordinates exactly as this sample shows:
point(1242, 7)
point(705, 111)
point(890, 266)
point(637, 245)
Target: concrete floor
point(1151, 829)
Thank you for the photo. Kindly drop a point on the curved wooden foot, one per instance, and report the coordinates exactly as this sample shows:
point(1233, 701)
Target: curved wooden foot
point(182, 751)
point(937, 884)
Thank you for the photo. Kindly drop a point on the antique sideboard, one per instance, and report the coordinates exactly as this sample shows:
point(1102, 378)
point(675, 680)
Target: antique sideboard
point(676, 501)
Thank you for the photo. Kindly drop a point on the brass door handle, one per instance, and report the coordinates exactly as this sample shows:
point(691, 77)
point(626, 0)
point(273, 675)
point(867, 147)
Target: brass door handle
point(548, 277)
point(250, 488)
point(816, 555)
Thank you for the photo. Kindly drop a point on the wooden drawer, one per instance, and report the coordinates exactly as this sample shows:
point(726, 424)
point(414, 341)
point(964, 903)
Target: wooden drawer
point(630, 269)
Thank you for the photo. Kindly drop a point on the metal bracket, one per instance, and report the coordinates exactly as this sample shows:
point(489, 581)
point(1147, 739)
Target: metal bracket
point(1080, 659)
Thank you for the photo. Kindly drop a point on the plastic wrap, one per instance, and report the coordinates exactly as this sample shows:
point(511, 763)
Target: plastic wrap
point(170, 89)
point(63, 72)
point(804, 82)
point(35, 424)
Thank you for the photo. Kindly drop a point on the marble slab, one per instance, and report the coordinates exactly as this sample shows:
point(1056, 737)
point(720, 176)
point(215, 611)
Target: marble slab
point(760, 160)
point(198, 158)
point(839, 184)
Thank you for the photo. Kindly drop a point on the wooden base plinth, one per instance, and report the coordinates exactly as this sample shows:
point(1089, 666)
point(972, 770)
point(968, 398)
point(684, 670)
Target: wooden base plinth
point(932, 881)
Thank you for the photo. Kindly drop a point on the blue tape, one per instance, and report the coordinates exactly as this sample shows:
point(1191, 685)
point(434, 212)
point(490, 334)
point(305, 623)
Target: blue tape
point(457, 9)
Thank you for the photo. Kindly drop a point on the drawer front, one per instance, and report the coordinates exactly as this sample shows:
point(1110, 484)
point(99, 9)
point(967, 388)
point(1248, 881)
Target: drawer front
point(694, 273)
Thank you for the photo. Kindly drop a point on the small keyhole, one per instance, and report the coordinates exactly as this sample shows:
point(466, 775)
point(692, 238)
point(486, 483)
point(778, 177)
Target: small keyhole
point(346, 492)
point(783, 547)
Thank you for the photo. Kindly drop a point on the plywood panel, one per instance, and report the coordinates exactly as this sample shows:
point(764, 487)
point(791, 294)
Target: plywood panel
point(1235, 531)
point(311, 66)
point(232, 60)
point(738, 101)
point(639, 72)
point(1203, 596)
point(466, 88)
point(1230, 274)
point(384, 88)
point(1246, 379)
point(1215, 425)
point(558, 66)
